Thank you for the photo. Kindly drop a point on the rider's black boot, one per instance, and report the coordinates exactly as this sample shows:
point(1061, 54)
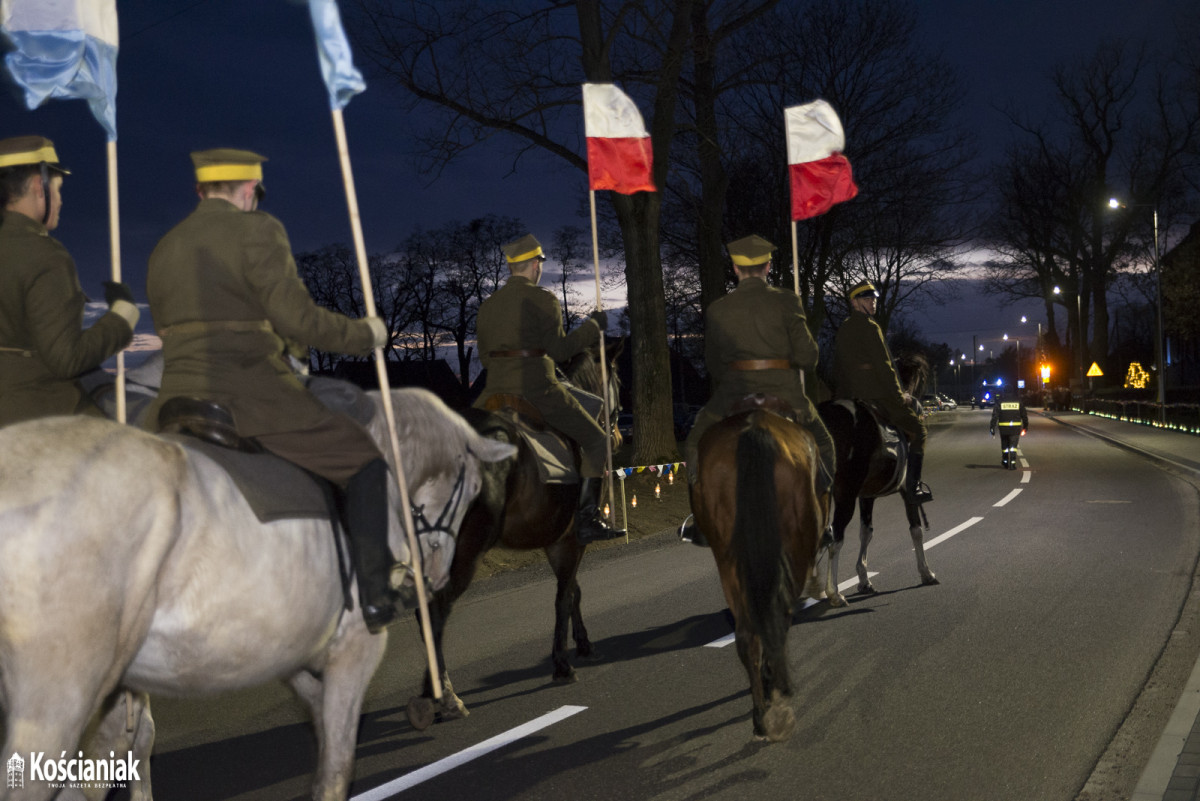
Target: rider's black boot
point(365, 509)
point(590, 525)
point(918, 492)
point(689, 531)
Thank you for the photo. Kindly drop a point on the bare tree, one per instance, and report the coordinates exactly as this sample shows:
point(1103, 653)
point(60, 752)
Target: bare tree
point(571, 252)
point(456, 59)
point(1121, 129)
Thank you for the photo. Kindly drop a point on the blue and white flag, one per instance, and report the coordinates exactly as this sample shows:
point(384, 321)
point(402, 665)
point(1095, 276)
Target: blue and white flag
point(337, 66)
point(65, 49)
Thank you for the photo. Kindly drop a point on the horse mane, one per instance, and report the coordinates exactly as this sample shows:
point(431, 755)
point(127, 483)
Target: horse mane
point(431, 430)
point(912, 369)
point(583, 369)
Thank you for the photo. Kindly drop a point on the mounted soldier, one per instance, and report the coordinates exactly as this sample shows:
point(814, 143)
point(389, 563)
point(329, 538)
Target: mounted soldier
point(228, 304)
point(1011, 418)
point(756, 343)
point(44, 348)
point(864, 370)
point(520, 335)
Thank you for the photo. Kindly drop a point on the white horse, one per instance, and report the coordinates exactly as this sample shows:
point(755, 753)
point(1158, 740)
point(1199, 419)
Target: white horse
point(129, 565)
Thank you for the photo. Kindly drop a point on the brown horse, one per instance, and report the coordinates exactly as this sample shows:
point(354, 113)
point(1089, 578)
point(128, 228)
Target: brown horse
point(515, 509)
point(756, 504)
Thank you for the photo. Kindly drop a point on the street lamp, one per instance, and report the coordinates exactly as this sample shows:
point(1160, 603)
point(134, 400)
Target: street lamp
point(1113, 203)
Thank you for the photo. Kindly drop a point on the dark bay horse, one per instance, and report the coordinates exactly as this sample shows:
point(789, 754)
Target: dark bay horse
point(867, 470)
point(756, 504)
point(517, 510)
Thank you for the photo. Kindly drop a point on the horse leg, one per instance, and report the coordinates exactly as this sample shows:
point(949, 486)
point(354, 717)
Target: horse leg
point(915, 530)
point(336, 703)
point(866, 518)
point(564, 556)
point(47, 711)
point(565, 601)
point(123, 726)
point(451, 706)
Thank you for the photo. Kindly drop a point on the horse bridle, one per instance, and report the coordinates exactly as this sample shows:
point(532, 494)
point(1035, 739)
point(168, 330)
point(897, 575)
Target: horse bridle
point(421, 524)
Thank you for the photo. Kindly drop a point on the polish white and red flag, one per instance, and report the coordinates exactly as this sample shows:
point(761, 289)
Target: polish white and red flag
point(818, 172)
point(618, 146)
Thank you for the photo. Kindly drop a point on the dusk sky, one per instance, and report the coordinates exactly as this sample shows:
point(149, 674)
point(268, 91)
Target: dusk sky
point(230, 73)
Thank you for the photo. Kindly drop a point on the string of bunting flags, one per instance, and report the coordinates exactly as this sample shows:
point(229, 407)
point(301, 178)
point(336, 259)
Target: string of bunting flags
point(660, 469)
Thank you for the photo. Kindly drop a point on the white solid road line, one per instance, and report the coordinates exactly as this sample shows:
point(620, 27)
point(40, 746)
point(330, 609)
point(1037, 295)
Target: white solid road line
point(402, 783)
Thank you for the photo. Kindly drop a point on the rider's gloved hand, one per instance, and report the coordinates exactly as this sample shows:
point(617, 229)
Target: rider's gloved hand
point(601, 319)
point(120, 302)
point(378, 331)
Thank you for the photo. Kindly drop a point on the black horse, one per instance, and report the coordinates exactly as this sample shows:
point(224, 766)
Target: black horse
point(515, 509)
point(868, 467)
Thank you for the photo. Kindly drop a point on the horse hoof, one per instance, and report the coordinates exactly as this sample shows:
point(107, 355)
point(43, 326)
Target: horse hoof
point(420, 712)
point(838, 601)
point(779, 722)
point(867, 589)
point(930, 579)
point(452, 708)
point(565, 678)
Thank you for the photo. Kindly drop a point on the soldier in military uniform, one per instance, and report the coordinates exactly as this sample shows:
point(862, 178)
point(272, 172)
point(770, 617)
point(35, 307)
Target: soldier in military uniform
point(756, 341)
point(863, 370)
point(227, 301)
point(43, 346)
point(520, 334)
point(1010, 417)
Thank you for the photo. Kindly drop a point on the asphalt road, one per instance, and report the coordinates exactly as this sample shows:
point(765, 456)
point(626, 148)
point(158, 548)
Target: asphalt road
point(1006, 681)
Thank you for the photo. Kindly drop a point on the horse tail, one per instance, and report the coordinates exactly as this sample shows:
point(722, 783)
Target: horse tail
point(756, 543)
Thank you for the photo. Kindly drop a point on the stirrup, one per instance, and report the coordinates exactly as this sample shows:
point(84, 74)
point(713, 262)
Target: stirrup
point(921, 494)
point(690, 532)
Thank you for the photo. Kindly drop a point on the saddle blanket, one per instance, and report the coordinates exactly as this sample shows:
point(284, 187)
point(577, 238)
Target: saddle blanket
point(275, 488)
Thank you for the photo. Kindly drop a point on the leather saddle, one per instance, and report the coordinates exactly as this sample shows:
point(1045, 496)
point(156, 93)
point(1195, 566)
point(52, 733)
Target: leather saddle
point(556, 455)
point(889, 461)
point(764, 402)
point(275, 488)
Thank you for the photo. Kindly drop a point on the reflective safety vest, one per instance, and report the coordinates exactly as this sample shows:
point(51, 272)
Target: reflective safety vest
point(1009, 416)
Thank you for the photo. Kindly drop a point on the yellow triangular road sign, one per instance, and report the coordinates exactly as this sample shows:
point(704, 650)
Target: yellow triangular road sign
point(1094, 371)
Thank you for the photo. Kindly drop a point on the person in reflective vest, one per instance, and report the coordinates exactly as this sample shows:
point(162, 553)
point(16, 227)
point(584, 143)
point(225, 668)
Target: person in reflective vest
point(1010, 417)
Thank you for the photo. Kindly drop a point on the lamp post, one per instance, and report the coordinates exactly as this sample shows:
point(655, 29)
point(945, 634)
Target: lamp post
point(1082, 337)
point(1113, 203)
point(1017, 383)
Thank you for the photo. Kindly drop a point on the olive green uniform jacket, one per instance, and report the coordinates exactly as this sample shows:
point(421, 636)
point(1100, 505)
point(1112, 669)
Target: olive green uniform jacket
point(757, 321)
point(863, 370)
point(43, 346)
point(522, 316)
point(225, 296)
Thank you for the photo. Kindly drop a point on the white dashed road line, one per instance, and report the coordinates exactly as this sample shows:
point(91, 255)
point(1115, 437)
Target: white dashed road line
point(1004, 501)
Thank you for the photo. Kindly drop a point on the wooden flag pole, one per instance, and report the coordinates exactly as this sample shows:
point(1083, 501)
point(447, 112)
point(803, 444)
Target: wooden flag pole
point(608, 455)
point(114, 237)
point(795, 261)
point(360, 250)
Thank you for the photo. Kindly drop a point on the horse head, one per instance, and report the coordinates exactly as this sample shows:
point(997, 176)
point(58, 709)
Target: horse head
point(443, 460)
point(583, 370)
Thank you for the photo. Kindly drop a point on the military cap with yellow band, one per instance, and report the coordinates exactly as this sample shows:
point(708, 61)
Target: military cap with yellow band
point(523, 249)
point(227, 164)
point(863, 289)
point(29, 151)
point(750, 251)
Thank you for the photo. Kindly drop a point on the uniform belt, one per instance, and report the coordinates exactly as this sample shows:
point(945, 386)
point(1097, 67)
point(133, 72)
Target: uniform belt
point(760, 364)
point(214, 326)
point(531, 353)
point(18, 351)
